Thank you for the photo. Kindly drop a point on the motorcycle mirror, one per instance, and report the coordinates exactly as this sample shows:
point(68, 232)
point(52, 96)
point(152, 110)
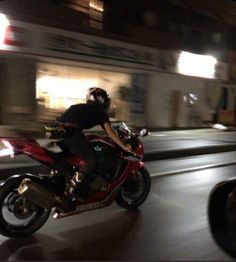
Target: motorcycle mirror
point(144, 132)
point(222, 215)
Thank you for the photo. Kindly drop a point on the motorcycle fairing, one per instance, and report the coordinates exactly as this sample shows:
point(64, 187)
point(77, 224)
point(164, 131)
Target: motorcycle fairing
point(29, 147)
point(89, 205)
point(102, 199)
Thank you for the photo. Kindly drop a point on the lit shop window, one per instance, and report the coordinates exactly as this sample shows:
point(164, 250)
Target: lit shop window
point(96, 5)
point(79, 5)
point(60, 93)
point(84, 5)
point(197, 65)
point(94, 8)
point(96, 14)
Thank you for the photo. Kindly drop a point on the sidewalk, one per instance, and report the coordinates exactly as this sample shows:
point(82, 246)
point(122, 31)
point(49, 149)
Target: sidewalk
point(166, 145)
point(184, 143)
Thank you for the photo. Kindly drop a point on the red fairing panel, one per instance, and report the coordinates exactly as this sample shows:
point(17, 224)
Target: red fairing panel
point(75, 160)
point(28, 147)
point(140, 149)
point(103, 139)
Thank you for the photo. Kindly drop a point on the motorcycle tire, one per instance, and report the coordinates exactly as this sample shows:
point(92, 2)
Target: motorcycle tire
point(11, 205)
point(130, 196)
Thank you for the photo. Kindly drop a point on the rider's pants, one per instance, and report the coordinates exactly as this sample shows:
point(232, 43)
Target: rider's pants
point(78, 144)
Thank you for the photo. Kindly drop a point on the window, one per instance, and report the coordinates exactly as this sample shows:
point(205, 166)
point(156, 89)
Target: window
point(79, 5)
point(97, 5)
point(96, 14)
point(94, 8)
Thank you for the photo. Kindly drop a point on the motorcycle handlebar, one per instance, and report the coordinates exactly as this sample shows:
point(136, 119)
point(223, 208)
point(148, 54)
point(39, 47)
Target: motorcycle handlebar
point(133, 154)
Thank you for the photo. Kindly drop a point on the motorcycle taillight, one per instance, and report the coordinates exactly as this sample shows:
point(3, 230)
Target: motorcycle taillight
point(6, 143)
point(8, 151)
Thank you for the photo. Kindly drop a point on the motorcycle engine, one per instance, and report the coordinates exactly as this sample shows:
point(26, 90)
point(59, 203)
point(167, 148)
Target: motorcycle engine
point(109, 167)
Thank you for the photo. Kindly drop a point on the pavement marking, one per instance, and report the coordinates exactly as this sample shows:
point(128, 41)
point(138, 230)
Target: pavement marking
point(187, 132)
point(159, 134)
point(191, 169)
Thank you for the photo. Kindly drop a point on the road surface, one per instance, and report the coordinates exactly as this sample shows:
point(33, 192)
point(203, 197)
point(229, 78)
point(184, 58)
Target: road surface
point(170, 225)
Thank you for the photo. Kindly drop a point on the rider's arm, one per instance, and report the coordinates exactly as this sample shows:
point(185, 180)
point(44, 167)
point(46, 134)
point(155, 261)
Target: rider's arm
point(111, 133)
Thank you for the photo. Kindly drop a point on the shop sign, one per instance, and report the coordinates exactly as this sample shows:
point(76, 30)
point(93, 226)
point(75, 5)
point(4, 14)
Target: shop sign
point(41, 40)
point(15, 36)
point(99, 48)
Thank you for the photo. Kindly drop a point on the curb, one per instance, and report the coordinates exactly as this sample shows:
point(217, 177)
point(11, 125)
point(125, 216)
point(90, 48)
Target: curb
point(177, 153)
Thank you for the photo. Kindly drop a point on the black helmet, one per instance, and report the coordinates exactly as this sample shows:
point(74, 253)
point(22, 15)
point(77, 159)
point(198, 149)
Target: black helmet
point(96, 94)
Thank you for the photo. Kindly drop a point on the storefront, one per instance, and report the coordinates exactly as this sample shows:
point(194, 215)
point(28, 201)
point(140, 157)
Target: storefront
point(49, 70)
point(45, 70)
point(195, 94)
point(59, 86)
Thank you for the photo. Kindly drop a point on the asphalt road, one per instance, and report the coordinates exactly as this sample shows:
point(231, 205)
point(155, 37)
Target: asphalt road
point(170, 140)
point(170, 225)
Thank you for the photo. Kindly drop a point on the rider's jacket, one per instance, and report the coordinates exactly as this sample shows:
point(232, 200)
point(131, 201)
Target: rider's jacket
point(85, 116)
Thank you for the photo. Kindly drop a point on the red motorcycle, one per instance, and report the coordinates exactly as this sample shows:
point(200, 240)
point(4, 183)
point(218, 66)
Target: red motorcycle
point(26, 200)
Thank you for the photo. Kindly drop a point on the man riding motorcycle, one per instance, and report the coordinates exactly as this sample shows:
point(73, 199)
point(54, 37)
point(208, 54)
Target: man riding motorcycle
point(85, 116)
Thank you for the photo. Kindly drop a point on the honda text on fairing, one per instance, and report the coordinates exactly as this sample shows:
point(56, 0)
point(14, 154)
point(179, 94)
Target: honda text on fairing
point(26, 200)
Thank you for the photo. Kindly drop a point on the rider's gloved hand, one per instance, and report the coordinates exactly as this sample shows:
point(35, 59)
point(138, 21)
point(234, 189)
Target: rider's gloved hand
point(127, 147)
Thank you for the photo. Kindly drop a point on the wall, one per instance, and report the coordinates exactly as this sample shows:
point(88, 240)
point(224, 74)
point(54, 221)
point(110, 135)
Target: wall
point(19, 97)
point(169, 102)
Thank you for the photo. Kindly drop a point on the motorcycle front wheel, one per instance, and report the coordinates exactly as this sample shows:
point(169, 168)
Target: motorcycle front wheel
point(134, 190)
point(19, 217)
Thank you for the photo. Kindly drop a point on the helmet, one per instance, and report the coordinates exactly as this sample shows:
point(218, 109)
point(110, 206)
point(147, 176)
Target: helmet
point(96, 94)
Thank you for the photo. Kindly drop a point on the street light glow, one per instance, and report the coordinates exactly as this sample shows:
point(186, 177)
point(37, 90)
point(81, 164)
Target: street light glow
point(4, 23)
point(196, 65)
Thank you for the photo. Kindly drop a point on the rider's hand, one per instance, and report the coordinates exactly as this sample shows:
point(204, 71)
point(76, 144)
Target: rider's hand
point(127, 147)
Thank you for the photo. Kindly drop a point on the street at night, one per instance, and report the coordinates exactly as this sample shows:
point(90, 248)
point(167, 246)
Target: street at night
point(127, 101)
point(171, 225)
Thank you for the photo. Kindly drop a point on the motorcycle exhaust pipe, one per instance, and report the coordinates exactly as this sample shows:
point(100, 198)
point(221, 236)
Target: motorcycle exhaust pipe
point(40, 196)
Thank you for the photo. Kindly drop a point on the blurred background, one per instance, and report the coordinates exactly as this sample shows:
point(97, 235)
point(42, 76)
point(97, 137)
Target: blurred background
point(168, 64)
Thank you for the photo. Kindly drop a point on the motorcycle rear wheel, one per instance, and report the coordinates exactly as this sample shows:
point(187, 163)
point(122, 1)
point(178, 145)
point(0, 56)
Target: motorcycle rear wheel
point(135, 190)
point(19, 217)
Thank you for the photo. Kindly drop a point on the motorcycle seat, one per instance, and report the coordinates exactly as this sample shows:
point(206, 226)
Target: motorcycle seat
point(58, 151)
point(58, 155)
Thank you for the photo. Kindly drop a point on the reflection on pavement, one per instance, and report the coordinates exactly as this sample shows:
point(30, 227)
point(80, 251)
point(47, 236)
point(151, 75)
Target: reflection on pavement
point(96, 241)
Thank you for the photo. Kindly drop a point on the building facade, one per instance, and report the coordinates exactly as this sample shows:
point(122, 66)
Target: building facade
point(48, 64)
